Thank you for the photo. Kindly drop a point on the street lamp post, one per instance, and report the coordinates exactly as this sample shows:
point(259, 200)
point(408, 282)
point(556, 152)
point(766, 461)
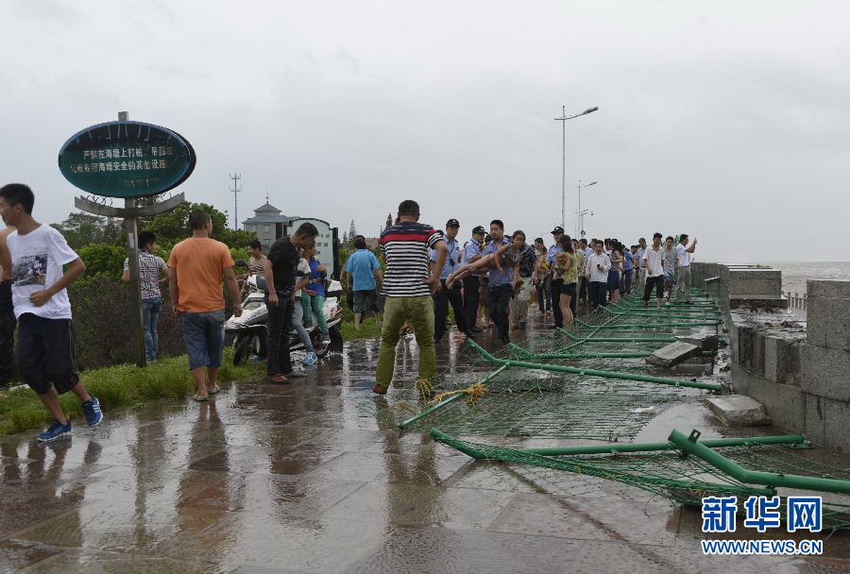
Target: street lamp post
point(580, 219)
point(563, 119)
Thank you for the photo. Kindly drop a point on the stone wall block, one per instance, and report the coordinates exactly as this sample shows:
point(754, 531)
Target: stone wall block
point(745, 335)
point(754, 283)
point(826, 372)
point(815, 430)
point(828, 320)
point(828, 289)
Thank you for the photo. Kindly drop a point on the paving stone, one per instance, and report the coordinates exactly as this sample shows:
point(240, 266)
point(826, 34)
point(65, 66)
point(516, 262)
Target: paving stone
point(738, 410)
point(421, 505)
point(120, 563)
point(15, 555)
point(443, 550)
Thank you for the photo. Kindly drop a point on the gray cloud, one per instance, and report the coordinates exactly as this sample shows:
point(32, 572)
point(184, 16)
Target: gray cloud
point(723, 119)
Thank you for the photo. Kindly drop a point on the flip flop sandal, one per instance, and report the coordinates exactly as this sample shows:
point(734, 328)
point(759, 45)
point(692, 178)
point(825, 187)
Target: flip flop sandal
point(214, 390)
point(279, 379)
point(199, 398)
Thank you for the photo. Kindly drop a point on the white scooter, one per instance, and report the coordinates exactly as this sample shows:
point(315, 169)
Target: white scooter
point(250, 329)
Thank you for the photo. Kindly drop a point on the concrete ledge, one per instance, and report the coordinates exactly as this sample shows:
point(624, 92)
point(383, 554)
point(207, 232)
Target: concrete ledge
point(738, 302)
point(673, 354)
point(826, 372)
point(738, 410)
point(785, 404)
point(705, 340)
point(753, 283)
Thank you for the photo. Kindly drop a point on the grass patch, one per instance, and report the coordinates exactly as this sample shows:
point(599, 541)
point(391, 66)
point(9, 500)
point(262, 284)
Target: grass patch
point(368, 329)
point(116, 387)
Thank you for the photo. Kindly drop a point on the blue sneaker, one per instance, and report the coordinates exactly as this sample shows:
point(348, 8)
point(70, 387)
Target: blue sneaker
point(92, 411)
point(310, 359)
point(55, 431)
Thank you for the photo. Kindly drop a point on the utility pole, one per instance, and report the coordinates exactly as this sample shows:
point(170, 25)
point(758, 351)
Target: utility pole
point(236, 189)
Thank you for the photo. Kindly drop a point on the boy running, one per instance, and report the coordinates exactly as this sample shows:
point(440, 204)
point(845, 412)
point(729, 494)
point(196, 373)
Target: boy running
point(36, 255)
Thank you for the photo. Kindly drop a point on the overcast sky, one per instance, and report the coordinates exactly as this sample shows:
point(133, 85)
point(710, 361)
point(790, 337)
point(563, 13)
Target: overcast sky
point(727, 120)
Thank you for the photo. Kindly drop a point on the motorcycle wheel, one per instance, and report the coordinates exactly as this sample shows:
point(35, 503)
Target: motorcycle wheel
point(242, 349)
point(321, 349)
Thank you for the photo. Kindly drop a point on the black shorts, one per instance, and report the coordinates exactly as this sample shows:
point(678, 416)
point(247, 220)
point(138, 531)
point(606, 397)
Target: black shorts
point(658, 282)
point(47, 354)
point(568, 289)
point(366, 301)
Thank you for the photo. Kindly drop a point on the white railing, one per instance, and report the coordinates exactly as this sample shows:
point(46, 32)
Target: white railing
point(795, 301)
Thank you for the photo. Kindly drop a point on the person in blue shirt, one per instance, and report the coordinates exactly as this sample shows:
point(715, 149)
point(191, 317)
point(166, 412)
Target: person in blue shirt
point(313, 295)
point(501, 282)
point(365, 272)
point(473, 250)
point(628, 266)
point(453, 295)
point(557, 283)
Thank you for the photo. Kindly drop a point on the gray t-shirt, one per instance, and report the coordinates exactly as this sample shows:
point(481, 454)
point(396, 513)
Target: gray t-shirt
point(669, 260)
point(150, 268)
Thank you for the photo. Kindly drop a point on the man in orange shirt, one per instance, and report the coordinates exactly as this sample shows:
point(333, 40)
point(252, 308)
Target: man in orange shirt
point(195, 271)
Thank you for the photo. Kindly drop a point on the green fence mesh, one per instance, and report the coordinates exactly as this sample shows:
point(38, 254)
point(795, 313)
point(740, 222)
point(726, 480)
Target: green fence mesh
point(685, 480)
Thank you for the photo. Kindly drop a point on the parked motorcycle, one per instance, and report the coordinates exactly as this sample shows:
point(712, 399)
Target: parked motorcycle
point(250, 332)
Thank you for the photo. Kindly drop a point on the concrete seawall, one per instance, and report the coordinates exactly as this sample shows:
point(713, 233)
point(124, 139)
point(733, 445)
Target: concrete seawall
point(799, 369)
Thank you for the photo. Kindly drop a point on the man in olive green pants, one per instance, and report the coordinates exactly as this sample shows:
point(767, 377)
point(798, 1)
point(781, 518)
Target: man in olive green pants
point(419, 314)
point(408, 283)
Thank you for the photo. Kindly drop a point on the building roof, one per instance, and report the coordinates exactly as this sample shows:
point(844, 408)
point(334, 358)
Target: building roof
point(269, 218)
point(267, 208)
point(267, 213)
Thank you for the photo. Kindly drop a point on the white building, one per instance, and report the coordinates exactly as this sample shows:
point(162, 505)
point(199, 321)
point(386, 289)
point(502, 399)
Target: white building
point(269, 225)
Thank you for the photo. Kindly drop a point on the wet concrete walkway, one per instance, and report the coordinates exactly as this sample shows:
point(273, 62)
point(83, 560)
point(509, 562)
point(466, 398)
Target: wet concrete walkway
point(309, 478)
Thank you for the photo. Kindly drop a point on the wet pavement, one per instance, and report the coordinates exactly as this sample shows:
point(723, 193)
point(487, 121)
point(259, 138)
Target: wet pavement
point(311, 477)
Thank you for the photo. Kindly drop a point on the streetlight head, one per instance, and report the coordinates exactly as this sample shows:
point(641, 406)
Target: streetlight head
point(591, 110)
point(592, 183)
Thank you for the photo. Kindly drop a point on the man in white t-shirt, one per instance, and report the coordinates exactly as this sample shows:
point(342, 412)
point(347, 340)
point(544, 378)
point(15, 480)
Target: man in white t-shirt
point(683, 258)
point(653, 264)
point(597, 267)
point(36, 254)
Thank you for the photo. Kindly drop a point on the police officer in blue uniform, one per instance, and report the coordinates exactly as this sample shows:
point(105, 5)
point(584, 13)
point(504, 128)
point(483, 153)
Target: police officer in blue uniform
point(472, 251)
point(444, 296)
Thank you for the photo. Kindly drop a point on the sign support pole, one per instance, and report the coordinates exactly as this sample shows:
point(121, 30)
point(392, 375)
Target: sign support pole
point(131, 226)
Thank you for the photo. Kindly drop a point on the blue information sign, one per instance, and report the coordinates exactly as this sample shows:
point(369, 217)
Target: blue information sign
point(126, 159)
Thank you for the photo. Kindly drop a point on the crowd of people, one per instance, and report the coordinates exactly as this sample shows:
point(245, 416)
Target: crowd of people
point(427, 270)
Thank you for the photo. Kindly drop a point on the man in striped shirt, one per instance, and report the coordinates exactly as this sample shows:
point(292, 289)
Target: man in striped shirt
point(407, 286)
point(152, 272)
